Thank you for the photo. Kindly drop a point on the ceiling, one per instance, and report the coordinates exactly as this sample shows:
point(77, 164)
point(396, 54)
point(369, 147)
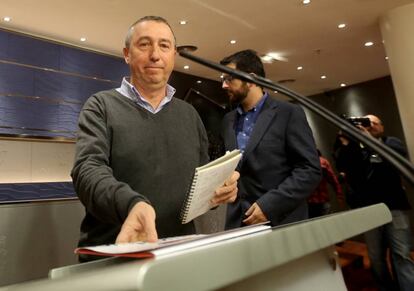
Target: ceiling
point(306, 35)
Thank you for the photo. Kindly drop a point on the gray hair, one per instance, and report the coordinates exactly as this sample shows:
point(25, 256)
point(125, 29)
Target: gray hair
point(146, 18)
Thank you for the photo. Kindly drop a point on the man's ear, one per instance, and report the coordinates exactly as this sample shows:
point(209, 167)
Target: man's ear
point(126, 55)
point(251, 85)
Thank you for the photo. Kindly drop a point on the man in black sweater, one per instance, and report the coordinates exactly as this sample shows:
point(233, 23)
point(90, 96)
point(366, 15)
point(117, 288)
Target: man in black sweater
point(138, 146)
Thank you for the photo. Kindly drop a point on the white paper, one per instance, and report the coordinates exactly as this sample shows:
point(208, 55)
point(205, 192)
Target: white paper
point(136, 247)
point(209, 178)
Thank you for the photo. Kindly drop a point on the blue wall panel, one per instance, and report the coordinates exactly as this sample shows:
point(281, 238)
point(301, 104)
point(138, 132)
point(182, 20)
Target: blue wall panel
point(116, 69)
point(4, 40)
point(16, 80)
point(37, 113)
point(71, 89)
point(31, 51)
point(94, 65)
point(68, 118)
point(43, 93)
point(36, 191)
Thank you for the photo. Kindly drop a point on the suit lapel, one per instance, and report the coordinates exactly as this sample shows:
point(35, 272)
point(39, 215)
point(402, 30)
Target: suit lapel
point(262, 123)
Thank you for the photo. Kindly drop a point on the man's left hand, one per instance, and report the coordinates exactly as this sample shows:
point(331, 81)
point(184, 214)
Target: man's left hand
point(228, 192)
point(254, 215)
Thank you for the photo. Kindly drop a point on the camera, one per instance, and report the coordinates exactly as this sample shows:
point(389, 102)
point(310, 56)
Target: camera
point(362, 121)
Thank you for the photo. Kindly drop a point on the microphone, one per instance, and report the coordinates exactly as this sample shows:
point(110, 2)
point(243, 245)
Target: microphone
point(405, 167)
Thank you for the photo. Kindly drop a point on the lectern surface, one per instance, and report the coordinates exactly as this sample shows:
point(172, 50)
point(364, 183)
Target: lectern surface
point(225, 263)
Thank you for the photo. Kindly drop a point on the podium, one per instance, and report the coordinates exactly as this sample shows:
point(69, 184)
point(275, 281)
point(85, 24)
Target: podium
point(299, 256)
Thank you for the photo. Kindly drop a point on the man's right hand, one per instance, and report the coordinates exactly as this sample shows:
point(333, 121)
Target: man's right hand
point(139, 225)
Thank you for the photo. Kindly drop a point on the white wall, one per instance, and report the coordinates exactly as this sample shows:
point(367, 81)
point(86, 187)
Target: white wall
point(32, 161)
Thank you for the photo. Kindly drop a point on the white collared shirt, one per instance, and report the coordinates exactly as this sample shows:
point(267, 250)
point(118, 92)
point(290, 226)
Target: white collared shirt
point(128, 90)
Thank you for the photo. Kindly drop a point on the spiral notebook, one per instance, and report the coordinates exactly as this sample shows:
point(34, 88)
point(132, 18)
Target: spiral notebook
point(205, 181)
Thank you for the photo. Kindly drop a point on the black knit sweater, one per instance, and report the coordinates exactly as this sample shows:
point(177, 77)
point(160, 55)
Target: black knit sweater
point(125, 154)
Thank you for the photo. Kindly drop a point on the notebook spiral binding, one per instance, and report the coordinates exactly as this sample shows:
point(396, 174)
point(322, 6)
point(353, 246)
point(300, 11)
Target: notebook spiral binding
point(187, 203)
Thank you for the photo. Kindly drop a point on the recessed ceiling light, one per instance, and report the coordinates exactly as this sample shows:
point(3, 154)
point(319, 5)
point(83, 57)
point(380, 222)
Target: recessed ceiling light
point(323, 77)
point(183, 22)
point(386, 58)
point(341, 25)
point(7, 18)
point(369, 43)
point(83, 39)
point(343, 85)
point(199, 82)
point(186, 67)
point(299, 68)
point(271, 56)
point(267, 59)
point(275, 92)
point(233, 41)
point(305, 2)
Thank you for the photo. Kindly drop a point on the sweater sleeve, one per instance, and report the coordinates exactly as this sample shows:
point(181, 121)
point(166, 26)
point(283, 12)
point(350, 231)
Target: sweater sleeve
point(103, 196)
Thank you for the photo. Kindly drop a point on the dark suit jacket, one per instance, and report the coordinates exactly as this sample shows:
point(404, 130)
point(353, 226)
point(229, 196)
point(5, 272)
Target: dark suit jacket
point(280, 166)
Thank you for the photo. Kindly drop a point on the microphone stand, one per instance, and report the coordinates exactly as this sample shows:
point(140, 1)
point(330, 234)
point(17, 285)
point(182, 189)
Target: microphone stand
point(405, 167)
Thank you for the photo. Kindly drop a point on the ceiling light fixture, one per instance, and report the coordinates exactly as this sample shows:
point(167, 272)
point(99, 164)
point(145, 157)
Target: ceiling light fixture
point(233, 41)
point(183, 22)
point(386, 58)
point(7, 18)
point(83, 39)
point(369, 43)
point(186, 67)
point(306, 2)
point(299, 68)
point(323, 77)
point(277, 56)
point(267, 59)
point(199, 82)
point(272, 56)
point(341, 25)
point(343, 85)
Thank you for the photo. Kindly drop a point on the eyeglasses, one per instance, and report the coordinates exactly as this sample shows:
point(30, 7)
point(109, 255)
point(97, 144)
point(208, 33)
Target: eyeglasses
point(227, 78)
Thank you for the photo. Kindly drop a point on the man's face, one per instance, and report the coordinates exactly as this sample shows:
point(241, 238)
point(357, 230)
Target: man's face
point(236, 89)
point(150, 55)
point(376, 129)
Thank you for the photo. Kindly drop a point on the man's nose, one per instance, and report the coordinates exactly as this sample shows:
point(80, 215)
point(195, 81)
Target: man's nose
point(155, 53)
point(224, 85)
